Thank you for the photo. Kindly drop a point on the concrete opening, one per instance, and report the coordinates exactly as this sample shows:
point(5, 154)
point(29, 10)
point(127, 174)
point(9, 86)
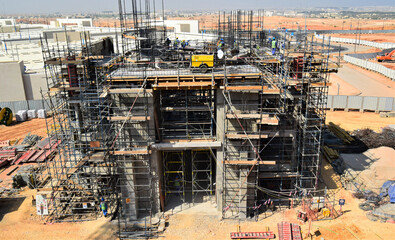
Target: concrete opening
point(188, 177)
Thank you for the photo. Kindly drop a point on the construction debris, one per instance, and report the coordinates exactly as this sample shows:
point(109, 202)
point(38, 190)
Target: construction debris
point(31, 139)
point(373, 139)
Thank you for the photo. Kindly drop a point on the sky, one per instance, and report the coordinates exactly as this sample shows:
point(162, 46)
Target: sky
point(89, 6)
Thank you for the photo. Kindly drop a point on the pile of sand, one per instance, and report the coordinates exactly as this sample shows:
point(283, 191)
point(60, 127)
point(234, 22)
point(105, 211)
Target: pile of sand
point(374, 167)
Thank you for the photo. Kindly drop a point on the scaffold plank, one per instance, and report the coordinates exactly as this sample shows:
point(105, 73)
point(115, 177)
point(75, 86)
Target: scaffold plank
point(250, 162)
point(137, 152)
point(245, 136)
point(127, 90)
point(130, 118)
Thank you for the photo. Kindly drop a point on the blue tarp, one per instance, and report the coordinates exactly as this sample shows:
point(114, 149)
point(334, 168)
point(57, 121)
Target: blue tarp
point(385, 188)
point(391, 193)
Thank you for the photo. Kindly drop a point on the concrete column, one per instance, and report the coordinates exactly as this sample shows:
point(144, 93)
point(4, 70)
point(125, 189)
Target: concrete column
point(155, 170)
point(220, 112)
point(243, 203)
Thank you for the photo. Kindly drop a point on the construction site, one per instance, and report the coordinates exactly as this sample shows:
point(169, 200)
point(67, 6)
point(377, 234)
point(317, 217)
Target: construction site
point(162, 125)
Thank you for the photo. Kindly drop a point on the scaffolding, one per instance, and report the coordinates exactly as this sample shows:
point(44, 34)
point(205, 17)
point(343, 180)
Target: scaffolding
point(174, 174)
point(202, 174)
point(80, 175)
point(187, 114)
point(142, 129)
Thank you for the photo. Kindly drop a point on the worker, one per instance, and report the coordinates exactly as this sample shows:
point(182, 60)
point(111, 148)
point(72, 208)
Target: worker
point(177, 184)
point(176, 43)
point(183, 44)
point(274, 46)
point(167, 42)
point(103, 207)
point(220, 43)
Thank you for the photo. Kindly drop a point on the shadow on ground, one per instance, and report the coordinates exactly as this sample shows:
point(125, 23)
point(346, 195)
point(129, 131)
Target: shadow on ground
point(8, 205)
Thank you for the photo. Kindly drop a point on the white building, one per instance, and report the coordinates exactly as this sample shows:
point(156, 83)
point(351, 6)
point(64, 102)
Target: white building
point(77, 22)
point(7, 22)
point(183, 26)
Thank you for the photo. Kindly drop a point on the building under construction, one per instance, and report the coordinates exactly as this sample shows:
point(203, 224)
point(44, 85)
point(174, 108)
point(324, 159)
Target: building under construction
point(164, 125)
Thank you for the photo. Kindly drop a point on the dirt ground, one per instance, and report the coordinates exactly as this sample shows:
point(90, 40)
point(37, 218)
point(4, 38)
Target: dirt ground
point(274, 22)
point(19, 130)
point(377, 37)
point(200, 223)
point(356, 120)
point(18, 220)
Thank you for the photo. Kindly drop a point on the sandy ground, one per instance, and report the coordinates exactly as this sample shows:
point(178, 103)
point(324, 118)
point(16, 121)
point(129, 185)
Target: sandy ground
point(274, 22)
point(19, 130)
point(18, 220)
point(356, 120)
point(377, 37)
point(374, 166)
point(200, 222)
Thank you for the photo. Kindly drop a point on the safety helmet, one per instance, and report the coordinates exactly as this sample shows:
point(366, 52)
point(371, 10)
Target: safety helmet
point(274, 38)
point(102, 198)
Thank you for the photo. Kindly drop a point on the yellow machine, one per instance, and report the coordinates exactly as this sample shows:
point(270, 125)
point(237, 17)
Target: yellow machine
point(202, 61)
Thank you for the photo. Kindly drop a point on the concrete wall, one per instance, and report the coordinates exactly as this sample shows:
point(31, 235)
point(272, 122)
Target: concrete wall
point(80, 22)
point(33, 83)
point(9, 29)
point(19, 86)
point(11, 82)
point(182, 25)
point(71, 36)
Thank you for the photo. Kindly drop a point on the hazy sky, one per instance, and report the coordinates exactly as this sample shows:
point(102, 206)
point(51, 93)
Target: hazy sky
point(68, 6)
